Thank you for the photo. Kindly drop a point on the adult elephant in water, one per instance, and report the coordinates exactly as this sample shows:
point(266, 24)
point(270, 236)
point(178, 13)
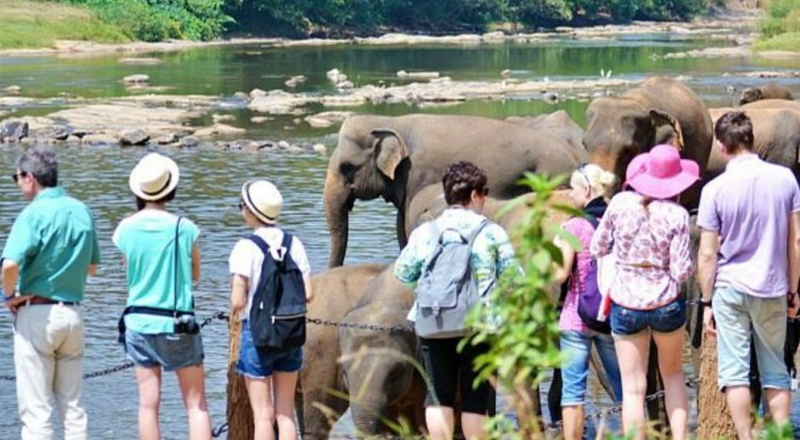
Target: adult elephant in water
point(776, 137)
point(395, 157)
point(659, 111)
point(559, 122)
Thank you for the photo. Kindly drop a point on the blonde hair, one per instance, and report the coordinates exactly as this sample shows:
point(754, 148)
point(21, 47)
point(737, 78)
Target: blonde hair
point(591, 176)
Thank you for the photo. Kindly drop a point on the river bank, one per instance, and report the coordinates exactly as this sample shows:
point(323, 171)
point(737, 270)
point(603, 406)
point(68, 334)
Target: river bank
point(149, 112)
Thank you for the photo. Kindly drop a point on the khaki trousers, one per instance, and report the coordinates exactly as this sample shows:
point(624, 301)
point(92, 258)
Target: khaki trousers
point(48, 360)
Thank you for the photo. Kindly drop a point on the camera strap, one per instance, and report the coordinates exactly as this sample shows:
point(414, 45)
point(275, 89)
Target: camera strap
point(177, 276)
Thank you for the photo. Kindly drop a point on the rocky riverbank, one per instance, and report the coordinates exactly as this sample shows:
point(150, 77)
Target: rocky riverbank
point(171, 119)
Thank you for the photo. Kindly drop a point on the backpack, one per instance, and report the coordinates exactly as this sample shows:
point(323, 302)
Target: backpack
point(447, 290)
point(278, 310)
point(593, 300)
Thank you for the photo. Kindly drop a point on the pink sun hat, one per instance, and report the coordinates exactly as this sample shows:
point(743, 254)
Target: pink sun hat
point(661, 173)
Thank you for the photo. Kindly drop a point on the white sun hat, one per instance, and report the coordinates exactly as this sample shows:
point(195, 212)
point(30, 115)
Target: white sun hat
point(154, 177)
point(263, 199)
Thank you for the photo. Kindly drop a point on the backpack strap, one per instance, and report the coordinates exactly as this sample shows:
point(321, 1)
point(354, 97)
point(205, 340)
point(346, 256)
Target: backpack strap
point(259, 242)
point(474, 234)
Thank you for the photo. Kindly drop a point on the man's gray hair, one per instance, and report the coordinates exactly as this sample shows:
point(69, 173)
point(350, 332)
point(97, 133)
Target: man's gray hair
point(42, 164)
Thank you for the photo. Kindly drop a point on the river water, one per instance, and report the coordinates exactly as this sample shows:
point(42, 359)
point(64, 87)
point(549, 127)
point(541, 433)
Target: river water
point(208, 192)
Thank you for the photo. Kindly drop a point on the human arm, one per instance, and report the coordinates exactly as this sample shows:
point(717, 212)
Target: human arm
point(680, 252)
point(706, 275)
point(794, 264)
point(408, 266)
point(195, 262)
point(10, 270)
point(309, 288)
point(239, 289)
point(563, 271)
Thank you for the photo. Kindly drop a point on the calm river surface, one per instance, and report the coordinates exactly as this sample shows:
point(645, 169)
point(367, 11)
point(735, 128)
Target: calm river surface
point(211, 179)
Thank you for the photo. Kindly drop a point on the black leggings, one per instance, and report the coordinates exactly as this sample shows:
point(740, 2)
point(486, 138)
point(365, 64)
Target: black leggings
point(450, 371)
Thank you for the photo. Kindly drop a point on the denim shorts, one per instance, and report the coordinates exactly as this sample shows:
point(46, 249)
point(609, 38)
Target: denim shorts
point(169, 351)
point(665, 319)
point(257, 363)
point(577, 347)
point(738, 316)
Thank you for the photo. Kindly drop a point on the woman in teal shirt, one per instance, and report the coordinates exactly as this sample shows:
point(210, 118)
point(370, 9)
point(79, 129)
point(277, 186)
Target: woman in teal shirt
point(162, 260)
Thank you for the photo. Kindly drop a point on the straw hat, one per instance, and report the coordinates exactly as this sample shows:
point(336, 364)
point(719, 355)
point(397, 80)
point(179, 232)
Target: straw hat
point(661, 173)
point(154, 177)
point(263, 199)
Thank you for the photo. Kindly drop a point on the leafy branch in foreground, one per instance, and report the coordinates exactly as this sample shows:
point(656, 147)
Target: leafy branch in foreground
point(525, 346)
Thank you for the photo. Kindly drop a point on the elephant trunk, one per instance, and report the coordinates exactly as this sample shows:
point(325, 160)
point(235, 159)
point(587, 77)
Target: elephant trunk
point(366, 417)
point(337, 204)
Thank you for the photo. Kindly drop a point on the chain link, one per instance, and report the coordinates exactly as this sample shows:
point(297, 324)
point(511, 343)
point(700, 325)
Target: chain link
point(222, 316)
point(616, 409)
point(374, 327)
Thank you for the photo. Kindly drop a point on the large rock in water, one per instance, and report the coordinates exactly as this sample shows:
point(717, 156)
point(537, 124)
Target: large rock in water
point(13, 130)
point(133, 137)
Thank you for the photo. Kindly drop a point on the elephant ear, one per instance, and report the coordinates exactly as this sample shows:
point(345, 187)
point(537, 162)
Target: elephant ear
point(390, 150)
point(660, 119)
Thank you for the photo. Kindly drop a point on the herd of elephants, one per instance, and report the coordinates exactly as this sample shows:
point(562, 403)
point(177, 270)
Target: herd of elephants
point(401, 159)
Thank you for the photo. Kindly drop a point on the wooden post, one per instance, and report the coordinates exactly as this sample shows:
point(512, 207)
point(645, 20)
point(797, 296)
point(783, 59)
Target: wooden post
point(713, 418)
point(239, 413)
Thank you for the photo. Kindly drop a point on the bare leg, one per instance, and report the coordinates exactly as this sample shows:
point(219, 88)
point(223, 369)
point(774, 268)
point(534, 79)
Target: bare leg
point(149, 380)
point(632, 352)
point(260, 393)
point(472, 425)
point(440, 421)
point(779, 402)
point(738, 397)
point(191, 380)
point(573, 422)
point(670, 364)
point(285, 384)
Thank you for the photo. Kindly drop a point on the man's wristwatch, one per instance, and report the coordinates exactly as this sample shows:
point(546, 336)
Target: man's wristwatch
point(705, 303)
point(9, 298)
point(790, 298)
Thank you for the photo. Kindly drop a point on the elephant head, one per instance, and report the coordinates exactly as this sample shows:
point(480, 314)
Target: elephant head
point(751, 94)
point(619, 128)
point(378, 364)
point(365, 165)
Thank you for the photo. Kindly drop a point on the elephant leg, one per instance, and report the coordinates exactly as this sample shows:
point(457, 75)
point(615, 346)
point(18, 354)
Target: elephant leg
point(554, 396)
point(402, 236)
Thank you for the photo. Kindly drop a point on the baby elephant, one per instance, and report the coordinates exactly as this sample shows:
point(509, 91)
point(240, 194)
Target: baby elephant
point(770, 90)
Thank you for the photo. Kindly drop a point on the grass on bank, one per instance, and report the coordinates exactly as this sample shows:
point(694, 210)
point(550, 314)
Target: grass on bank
point(33, 24)
point(780, 27)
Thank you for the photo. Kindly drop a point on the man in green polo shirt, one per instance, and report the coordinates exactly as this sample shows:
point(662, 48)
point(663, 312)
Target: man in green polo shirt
point(49, 252)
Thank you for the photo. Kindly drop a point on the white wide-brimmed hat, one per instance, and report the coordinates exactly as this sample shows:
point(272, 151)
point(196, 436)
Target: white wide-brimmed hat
point(154, 177)
point(263, 199)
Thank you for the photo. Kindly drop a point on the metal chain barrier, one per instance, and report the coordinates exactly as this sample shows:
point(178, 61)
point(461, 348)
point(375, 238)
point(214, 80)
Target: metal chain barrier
point(222, 316)
point(374, 327)
point(616, 409)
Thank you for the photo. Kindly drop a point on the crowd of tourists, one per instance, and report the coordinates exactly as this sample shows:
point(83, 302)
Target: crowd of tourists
point(748, 281)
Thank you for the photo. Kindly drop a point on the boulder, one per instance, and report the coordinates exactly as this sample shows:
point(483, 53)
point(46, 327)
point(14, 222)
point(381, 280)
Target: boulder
point(189, 142)
point(99, 139)
point(12, 130)
point(133, 137)
point(136, 79)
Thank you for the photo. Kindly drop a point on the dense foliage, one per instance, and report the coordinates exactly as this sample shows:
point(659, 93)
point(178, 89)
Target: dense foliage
point(783, 16)
point(153, 20)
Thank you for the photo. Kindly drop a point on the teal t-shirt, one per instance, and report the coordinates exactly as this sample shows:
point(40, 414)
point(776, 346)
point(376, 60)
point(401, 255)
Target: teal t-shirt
point(147, 240)
point(53, 241)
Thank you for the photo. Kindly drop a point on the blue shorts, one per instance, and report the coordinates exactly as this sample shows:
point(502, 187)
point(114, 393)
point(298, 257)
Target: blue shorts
point(739, 316)
point(169, 351)
point(665, 319)
point(578, 347)
point(256, 363)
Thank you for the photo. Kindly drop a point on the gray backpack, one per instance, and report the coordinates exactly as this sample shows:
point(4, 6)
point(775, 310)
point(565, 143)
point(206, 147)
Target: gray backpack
point(446, 291)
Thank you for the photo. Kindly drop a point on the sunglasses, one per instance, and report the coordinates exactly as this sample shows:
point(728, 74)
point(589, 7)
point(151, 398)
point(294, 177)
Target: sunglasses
point(241, 204)
point(18, 175)
point(582, 171)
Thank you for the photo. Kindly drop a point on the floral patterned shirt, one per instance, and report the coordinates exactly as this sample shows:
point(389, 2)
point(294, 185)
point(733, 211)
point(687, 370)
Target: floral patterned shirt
point(492, 252)
point(651, 246)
